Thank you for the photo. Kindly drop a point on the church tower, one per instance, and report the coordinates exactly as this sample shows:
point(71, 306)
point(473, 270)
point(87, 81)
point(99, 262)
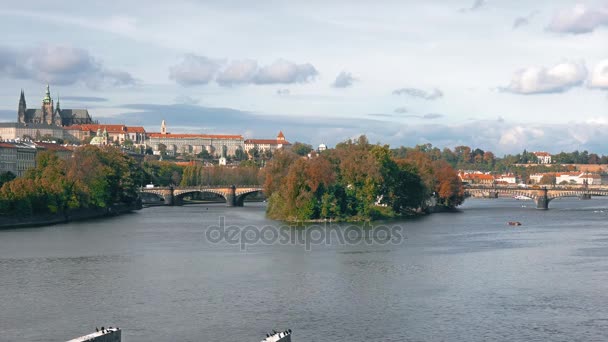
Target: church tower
point(57, 121)
point(163, 128)
point(22, 108)
point(47, 107)
point(281, 136)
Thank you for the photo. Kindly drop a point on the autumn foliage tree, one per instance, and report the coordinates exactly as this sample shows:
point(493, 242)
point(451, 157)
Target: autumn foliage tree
point(354, 181)
point(93, 178)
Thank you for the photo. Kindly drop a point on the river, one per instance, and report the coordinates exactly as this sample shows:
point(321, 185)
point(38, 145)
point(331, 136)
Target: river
point(464, 276)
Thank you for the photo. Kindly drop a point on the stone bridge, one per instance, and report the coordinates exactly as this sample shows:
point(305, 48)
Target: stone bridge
point(234, 195)
point(542, 196)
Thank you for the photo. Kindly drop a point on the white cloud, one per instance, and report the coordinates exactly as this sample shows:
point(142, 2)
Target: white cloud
point(194, 70)
point(556, 79)
point(523, 21)
point(62, 65)
point(200, 70)
point(477, 4)
point(434, 94)
point(579, 19)
point(344, 80)
point(285, 72)
point(599, 75)
point(238, 72)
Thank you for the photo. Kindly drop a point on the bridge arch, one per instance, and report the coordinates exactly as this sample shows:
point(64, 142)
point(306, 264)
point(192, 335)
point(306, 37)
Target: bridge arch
point(178, 195)
point(240, 196)
point(542, 196)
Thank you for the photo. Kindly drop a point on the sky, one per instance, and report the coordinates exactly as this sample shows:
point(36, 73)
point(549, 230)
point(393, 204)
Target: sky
point(492, 74)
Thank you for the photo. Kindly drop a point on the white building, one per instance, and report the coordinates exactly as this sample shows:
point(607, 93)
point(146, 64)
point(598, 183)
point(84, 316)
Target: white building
point(578, 178)
point(267, 144)
point(507, 178)
point(215, 144)
point(543, 157)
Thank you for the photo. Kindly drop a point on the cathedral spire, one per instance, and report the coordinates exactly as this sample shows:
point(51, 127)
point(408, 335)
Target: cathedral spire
point(47, 96)
point(22, 108)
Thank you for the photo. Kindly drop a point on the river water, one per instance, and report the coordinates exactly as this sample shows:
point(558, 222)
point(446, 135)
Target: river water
point(464, 276)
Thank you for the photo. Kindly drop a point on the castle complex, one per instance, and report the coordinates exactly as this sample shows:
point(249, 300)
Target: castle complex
point(51, 114)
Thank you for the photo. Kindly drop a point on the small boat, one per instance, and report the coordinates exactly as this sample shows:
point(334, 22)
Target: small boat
point(522, 198)
point(514, 223)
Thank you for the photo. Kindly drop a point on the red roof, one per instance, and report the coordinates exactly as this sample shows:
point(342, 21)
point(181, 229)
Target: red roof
point(52, 147)
point(94, 128)
point(281, 135)
point(203, 136)
point(542, 154)
point(135, 129)
point(5, 145)
point(267, 141)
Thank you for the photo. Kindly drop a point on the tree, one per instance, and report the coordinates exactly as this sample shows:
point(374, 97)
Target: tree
point(6, 177)
point(548, 179)
point(301, 149)
point(254, 153)
point(239, 154)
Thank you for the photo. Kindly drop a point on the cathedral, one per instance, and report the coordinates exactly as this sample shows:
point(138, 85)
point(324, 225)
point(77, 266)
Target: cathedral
point(51, 114)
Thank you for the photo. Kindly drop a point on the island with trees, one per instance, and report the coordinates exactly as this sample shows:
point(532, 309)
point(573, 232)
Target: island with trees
point(358, 181)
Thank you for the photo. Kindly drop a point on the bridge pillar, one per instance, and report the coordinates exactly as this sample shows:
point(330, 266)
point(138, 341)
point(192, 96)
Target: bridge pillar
point(542, 199)
point(231, 200)
point(169, 197)
point(585, 196)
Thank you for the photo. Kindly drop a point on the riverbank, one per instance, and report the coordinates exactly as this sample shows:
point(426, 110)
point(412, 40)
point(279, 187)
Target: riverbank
point(7, 222)
point(381, 217)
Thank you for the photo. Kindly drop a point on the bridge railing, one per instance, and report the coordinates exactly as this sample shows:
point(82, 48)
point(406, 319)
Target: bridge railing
point(200, 187)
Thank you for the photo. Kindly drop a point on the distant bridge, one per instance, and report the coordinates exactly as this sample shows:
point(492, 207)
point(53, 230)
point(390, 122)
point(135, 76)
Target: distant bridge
point(542, 196)
point(234, 195)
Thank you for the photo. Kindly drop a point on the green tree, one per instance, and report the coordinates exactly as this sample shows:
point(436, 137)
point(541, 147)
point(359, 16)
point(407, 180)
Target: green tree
point(301, 149)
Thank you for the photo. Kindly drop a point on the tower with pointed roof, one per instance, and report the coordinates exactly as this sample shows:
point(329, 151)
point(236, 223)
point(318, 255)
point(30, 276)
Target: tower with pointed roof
point(22, 108)
point(163, 127)
point(280, 137)
point(48, 109)
point(57, 121)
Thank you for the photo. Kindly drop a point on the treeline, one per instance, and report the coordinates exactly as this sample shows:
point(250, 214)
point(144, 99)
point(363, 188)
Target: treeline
point(93, 178)
point(357, 181)
point(220, 175)
point(467, 158)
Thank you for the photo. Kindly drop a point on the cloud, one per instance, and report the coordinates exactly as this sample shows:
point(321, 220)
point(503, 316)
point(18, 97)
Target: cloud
point(432, 116)
point(238, 72)
point(523, 21)
point(429, 116)
point(285, 72)
point(185, 99)
point(283, 92)
point(200, 70)
point(477, 4)
point(579, 19)
point(194, 70)
point(60, 65)
point(401, 110)
point(419, 93)
point(84, 98)
point(599, 76)
point(541, 80)
point(381, 115)
point(344, 80)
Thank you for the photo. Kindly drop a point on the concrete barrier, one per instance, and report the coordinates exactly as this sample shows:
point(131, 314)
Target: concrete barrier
point(109, 335)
